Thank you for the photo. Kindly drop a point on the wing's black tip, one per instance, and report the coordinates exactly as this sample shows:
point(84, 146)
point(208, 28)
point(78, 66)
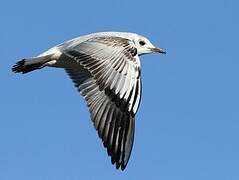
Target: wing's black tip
point(19, 66)
point(123, 167)
point(119, 166)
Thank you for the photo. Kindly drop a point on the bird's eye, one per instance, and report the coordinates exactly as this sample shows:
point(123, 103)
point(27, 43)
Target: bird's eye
point(142, 43)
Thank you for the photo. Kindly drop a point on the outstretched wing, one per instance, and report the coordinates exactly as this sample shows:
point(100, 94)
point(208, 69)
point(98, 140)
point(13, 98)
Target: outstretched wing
point(107, 73)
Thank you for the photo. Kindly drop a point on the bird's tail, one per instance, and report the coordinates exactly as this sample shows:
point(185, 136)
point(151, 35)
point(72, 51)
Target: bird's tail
point(31, 64)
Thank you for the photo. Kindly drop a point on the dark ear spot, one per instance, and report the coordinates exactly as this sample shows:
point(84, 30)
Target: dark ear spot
point(134, 51)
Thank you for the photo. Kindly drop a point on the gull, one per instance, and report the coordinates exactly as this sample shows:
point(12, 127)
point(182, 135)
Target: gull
point(105, 69)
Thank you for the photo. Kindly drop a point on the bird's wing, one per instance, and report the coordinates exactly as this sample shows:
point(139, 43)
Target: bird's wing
point(107, 73)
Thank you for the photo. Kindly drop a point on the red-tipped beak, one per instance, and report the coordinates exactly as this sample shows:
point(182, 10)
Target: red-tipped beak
point(159, 50)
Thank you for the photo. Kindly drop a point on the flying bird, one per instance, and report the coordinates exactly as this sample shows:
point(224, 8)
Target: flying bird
point(105, 69)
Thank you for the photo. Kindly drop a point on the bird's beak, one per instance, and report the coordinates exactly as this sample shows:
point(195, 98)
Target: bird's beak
point(158, 50)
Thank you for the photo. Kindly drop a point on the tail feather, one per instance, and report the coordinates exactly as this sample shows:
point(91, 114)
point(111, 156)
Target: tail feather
point(21, 67)
point(31, 64)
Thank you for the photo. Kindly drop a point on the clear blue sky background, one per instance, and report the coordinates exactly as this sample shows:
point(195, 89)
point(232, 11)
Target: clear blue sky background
point(188, 123)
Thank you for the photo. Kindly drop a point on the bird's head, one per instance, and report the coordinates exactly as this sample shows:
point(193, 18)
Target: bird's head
point(144, 46)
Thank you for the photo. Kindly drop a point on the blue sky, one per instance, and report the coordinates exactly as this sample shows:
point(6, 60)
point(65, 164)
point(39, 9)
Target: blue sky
point(188, 121)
